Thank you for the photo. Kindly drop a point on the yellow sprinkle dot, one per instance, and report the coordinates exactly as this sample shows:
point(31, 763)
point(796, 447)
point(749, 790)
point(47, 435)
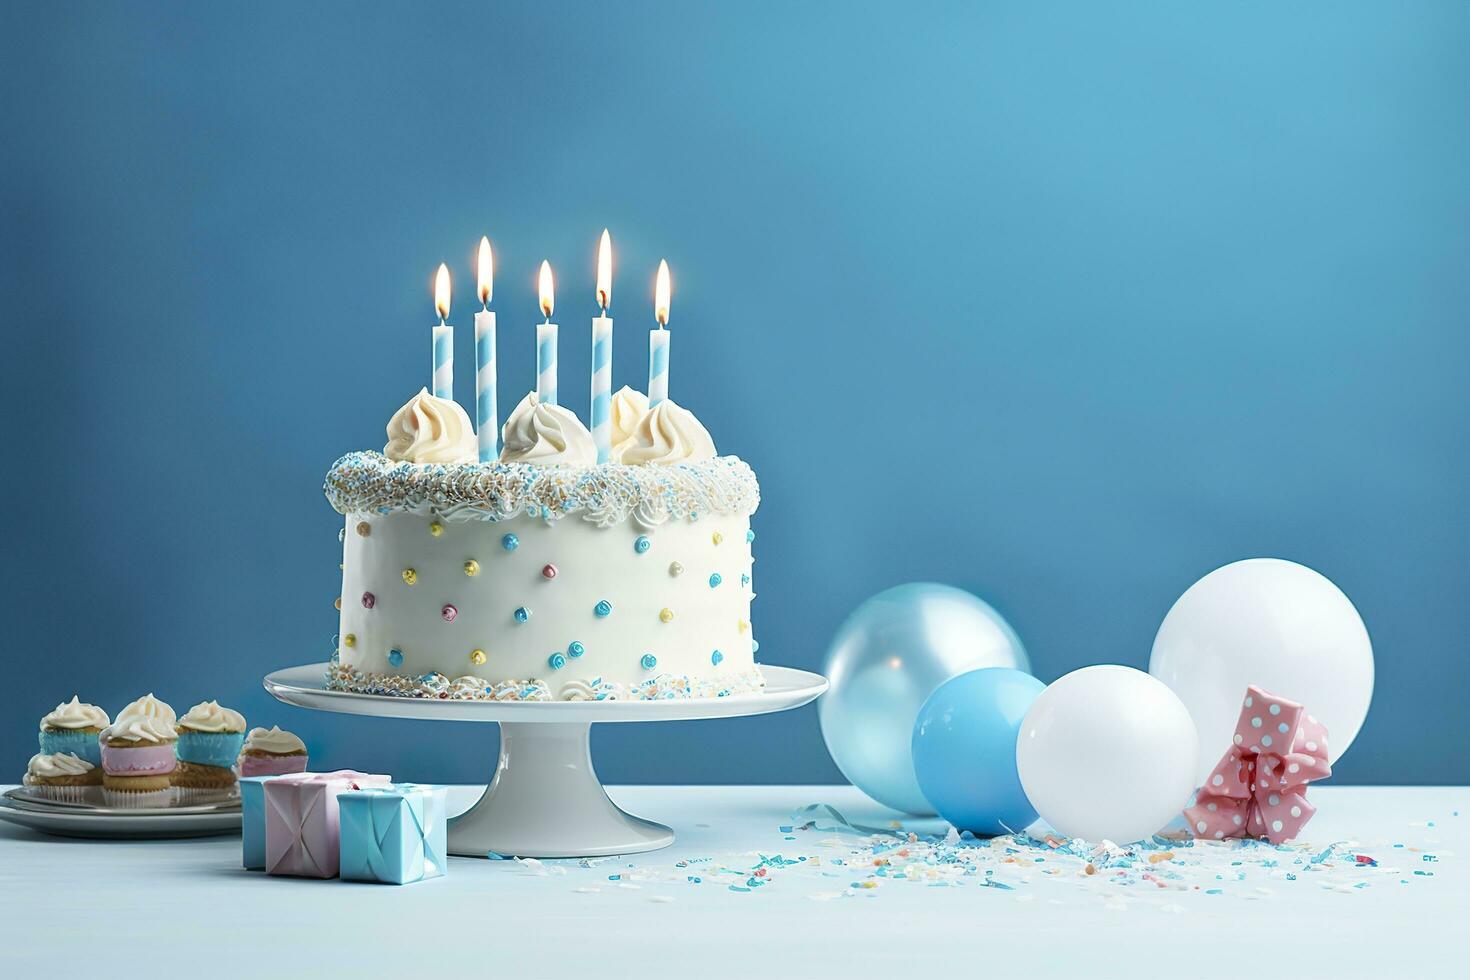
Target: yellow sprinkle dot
point(717, 537)
point(743, 625)
point(338, 603)
point(410, 576)
point(472, 568)
point(364, 528)
point(477, 657)
point(435, 528)
point(665, 615)
point(350, 640)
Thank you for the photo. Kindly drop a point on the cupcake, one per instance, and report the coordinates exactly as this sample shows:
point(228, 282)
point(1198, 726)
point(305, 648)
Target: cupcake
point(61, 776)
point(138, 754)
point(272, 752)
point(73, 728)
point(210, 738)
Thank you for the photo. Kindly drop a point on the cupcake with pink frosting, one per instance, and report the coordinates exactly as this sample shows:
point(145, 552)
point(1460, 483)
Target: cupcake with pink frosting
point(138, 758)
point(272, 752)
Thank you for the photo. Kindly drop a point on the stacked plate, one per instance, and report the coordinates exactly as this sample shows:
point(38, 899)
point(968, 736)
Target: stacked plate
point(94, 818)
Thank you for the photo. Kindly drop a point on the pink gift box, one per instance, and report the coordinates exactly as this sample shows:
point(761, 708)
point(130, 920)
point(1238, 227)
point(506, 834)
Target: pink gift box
point(302, 832)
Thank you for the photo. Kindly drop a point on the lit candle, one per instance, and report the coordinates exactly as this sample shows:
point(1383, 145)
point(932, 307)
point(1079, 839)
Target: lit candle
point(546, 341)
point(602, 336)
point(487, 417)
point(443, 338)
point(658, 339)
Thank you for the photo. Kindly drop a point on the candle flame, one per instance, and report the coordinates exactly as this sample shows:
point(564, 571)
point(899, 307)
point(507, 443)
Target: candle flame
point(604, 271)
point(486, 270)
point(548, 297)
point(441, 291)
point(661, 294)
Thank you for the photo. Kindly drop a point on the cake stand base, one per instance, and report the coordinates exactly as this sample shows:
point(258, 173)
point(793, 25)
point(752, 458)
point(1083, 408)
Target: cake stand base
point(544, 796)
point(545, 800)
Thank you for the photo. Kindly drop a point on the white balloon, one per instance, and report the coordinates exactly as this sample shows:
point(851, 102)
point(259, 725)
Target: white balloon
point(1275, 624)
point(1107, 753)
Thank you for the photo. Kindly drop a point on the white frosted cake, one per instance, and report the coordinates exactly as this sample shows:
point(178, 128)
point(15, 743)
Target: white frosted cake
point(545, 575)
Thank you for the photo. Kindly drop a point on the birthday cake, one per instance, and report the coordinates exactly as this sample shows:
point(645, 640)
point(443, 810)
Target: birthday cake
point(543, 574)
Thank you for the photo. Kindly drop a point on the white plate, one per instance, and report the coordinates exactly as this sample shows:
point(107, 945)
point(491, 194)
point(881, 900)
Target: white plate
point(113, 823)
point(786, 687)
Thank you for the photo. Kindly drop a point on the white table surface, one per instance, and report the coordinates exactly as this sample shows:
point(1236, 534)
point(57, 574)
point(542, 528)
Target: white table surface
point(150, 908)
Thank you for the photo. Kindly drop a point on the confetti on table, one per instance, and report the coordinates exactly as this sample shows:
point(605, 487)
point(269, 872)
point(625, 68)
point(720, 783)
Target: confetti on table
point(825, 857)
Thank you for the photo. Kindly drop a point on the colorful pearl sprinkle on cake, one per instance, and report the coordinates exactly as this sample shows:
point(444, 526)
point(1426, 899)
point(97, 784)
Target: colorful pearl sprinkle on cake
point(546, 564)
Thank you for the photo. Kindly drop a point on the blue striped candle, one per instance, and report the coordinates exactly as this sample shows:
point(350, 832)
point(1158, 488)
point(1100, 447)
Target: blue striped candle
point(546, 340)
point(658, 339)
point(658, 366)
point(443, 375)
point(444, 362)
point(602, 336)
point(546, 363)
point(487, 414)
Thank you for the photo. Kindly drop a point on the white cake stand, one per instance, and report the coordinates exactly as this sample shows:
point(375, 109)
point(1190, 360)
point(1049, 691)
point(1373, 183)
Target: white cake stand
point(545, 799)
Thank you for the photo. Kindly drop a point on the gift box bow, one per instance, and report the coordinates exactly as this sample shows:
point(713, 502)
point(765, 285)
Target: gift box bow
point(401, 811)
point(303, 799)
point(1259, 788)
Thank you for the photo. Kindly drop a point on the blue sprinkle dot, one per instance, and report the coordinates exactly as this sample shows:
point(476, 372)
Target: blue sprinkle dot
point(395, 658)
point(642, 544)
point(556, 661)
point(715, 580)
point(522, 614)
point(744, 579)
point(649, 661)
point(716, 657)
point(603, 608)
point(750, 537)
point(575, 649)
point(510, 542)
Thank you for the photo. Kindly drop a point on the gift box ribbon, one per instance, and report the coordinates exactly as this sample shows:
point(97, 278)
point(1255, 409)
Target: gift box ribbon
point(389, 805)
point(1259, 788)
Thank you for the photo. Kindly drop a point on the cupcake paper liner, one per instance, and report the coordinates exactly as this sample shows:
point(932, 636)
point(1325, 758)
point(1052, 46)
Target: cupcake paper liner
point(138, 798)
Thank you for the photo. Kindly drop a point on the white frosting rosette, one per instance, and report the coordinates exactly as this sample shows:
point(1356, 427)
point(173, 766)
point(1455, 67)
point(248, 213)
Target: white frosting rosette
point(430, 430)
point(209, 716)
point(145, 720)
point(666, 434)
point(628, 407)
point(56, 765)
point(73, 715)
point(546, 435)
point(273, 740)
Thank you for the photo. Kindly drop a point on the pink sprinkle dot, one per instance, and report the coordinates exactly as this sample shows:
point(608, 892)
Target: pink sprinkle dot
point(448, 612)
point(549, 571)
point(368, 600)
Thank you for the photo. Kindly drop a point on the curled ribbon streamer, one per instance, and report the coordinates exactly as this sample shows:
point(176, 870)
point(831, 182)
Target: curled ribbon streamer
point(1259, 788)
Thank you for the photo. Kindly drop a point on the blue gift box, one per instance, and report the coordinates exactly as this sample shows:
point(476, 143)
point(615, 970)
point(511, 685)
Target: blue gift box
point(252, 826)
point(394, 834)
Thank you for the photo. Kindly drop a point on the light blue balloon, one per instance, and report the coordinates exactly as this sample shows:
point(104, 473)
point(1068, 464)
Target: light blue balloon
point(964, 748)
point(890, 655)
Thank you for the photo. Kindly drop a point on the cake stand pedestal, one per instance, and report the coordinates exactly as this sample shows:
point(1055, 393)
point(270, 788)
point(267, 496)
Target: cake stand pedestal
point(544, 799)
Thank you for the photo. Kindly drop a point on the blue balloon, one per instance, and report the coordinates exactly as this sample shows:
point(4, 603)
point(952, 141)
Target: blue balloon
point(890, 655)
point(964, 747)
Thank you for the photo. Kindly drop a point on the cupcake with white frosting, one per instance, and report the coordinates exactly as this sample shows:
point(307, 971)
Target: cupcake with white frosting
point(210, 737)
point(138, 758)
point(62, 776)
point(73, 728)
point(272, 752)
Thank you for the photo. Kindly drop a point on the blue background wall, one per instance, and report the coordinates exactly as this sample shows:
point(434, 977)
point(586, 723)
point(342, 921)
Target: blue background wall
point(1066, 304)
